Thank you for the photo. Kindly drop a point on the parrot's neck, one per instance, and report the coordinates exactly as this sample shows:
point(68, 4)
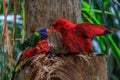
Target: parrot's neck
point(64, 33)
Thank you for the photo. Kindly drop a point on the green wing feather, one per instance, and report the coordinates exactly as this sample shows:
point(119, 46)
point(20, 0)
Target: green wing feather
point(32, 41)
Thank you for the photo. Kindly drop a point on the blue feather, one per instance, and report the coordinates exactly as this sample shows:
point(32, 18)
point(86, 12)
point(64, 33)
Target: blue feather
point(43, 32)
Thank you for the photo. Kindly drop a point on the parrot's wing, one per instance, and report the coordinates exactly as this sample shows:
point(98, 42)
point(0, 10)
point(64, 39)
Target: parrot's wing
point(93, 28)
point(97, 29)
point(89, 30)
point(82, 30)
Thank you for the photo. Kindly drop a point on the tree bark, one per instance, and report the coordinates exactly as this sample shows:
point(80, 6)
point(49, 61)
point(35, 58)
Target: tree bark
point(41, 13)
point(65, 67)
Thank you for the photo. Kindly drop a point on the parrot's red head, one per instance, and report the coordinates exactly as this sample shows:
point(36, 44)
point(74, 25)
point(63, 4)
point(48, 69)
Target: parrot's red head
point(62, 24)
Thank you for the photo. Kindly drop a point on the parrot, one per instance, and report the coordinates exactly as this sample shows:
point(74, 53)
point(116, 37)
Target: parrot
point(33, 39)
point(42, 46)
point(78, 37)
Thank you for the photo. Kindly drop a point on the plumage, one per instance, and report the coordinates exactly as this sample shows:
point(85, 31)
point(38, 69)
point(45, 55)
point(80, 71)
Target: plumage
point(36, 44)
point(39, 40)
point(33, 39)
point(41, 46)
point(77, 37)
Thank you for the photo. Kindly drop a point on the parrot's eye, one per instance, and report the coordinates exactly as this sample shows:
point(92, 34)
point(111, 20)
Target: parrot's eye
point(56, 25)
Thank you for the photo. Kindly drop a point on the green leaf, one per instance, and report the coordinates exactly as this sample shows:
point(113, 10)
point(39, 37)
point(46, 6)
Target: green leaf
point(102, 43)
point(115, 51)
point(99, 11)
point(87, 18)
point(114, 46)
point(23, 33)
point(85, 4)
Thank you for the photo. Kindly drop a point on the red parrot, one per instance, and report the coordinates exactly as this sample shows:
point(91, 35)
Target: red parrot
point(77, 37)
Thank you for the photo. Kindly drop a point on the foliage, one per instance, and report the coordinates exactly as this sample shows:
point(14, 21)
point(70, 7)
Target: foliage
point(107, 13)
point(7, 62)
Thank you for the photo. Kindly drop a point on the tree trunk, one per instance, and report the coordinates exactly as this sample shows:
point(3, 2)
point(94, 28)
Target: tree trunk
point(41, 13)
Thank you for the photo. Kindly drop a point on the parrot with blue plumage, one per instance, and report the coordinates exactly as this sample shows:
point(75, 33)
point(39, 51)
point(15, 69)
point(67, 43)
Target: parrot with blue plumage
point(33, 39)
point(36, 44)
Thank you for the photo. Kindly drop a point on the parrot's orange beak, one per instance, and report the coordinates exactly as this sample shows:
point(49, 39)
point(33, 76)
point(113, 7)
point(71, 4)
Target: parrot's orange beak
point(52, 29)
point(48, 31)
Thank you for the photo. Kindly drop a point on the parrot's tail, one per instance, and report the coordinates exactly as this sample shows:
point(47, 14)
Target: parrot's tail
point(13, 75)
point(110, 31)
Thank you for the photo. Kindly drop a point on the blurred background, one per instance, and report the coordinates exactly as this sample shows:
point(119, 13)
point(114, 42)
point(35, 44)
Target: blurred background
point(105, 12)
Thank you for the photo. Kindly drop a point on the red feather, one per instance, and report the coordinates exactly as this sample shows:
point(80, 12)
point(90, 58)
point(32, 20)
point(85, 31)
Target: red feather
point(42, 46)
point(77, 37)
point(91, 29)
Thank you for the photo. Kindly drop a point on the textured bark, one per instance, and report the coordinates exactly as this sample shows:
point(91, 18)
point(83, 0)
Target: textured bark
point(64, 67)
point(41, 13)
